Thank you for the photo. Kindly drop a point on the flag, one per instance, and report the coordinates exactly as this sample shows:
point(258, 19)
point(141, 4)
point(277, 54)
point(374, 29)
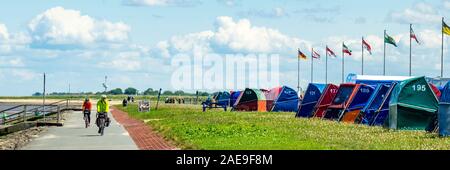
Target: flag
point(346, 50)
point(301, 55)
point(315, 55)
point(445, 28)
point(413, 36)
point(367, 46)
point(388, 39)
point(330, 52)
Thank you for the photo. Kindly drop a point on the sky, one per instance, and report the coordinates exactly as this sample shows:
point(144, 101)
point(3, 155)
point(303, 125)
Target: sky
point(134, 42)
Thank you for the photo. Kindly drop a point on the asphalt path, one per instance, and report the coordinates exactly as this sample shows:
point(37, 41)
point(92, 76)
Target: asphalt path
point(74, 136)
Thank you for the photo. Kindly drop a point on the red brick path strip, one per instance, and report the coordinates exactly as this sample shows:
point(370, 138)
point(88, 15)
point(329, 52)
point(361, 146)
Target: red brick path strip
point(142, 134)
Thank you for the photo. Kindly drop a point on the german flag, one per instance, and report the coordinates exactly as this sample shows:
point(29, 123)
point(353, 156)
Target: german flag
point(301, 55)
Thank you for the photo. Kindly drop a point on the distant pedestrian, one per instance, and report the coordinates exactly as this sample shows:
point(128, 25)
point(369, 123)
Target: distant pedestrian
point(124, 103)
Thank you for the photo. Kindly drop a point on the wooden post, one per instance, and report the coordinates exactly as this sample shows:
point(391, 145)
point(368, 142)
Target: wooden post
point(43, 100)
point(157, 102)
point(58, 114)
point(196, 97)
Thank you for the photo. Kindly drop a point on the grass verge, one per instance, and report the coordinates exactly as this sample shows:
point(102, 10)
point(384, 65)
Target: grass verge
point(190, 128)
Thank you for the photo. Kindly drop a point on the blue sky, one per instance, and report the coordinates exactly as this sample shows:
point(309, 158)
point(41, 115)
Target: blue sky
point(132, 41)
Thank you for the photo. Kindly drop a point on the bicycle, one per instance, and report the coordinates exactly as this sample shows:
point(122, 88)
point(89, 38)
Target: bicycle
point(86, 117)
point(101, 122)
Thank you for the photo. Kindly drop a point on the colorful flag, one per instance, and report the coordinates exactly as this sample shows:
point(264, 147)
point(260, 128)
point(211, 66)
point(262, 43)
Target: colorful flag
point(301, 55)
point(445, 28)
point(413, 36)
point(388, 39)
point(367, 46)
point(330, 52)
point(315, 55)
point(346, 50)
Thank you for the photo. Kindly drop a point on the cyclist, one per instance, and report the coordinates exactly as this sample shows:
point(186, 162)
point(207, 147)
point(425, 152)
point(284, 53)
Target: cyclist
point(103, 108)
point(86, 108)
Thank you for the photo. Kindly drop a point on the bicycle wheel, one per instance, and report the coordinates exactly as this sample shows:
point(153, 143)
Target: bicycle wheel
point(86, 122)
point(102, 126)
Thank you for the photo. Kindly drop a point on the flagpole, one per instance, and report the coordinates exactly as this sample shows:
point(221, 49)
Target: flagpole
point(410, 49)
point(326, 65)
point(298, 72)
point(312, 65)
point(342, 62)
point(384, 54)
point(442, 49)
point(362, 56)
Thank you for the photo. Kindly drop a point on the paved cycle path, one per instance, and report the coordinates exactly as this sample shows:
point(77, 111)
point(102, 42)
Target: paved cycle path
point(74, 136)
point(143, 135)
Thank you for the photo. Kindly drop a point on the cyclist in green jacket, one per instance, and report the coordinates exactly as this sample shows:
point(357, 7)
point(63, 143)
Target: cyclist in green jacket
point(103, 108)
point(103, 105)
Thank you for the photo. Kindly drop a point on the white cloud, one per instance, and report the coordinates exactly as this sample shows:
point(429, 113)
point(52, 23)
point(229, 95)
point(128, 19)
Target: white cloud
point(272, 13)
point(430, 42)
point(241, 36)
point(429, 38)
point(17, 62)
point(230, 36)
point(162, 47)
point(23, 74)
point(446, 4)
point(147, 2)
point(182, 3)
point(4, 35)
point(8, 61)
point(319, 13)
point(10, 41)
point(198, 43)
point(65, 27)
point(124, 61)
point(419, 13)
point(230, 2)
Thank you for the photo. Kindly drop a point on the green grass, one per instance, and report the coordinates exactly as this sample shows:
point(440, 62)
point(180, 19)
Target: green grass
point(190, 128)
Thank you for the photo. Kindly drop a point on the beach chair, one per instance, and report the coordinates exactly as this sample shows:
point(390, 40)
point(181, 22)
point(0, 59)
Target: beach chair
point(144, 106)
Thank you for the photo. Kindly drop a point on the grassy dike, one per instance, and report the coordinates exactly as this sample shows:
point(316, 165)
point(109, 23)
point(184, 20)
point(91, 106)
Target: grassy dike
point(190, 128)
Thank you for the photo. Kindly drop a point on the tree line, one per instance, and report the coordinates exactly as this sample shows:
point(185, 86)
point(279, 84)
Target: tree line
point(129, 91)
